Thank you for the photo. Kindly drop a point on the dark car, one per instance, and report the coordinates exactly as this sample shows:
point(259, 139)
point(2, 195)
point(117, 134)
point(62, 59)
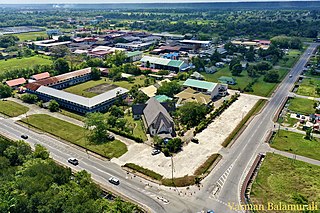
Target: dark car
point(114, 181)
point(73, 161)
point(110, 137)
point(194, 140)
point(24, 136)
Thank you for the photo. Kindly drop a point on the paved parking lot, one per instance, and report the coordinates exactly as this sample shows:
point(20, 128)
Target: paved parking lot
point(192, 155)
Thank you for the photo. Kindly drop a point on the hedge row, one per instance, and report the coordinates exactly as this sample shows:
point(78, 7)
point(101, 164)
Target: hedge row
point(203, 124)
point(144, 171)
point(204, 168)
point(125, 134)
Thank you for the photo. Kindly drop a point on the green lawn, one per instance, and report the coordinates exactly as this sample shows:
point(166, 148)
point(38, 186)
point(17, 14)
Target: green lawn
point(301, 105)
point(79, 89)
point(72, 115)
point(12, 109)
point(75, 134)
point(138, 130)
point(281, 179)
point(17, 63)
point(295, 143)
point(139, 80)
point(308, 87)
point(290, 59)
point(260, 88)
point(31, 35)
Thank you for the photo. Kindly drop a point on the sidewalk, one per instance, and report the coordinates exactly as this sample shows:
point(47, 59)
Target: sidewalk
point(296, 157)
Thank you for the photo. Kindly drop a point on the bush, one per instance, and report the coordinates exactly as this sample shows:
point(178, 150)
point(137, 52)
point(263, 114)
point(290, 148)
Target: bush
point(29, 98)
point(53, 106)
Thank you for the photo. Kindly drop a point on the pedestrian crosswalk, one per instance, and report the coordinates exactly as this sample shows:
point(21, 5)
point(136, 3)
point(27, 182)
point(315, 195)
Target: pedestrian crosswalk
point(219, 184)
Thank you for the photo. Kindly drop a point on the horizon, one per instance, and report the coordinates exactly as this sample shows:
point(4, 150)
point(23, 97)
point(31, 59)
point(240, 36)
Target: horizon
point(29, 2)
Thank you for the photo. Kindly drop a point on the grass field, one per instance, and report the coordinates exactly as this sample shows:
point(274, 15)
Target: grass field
point(139, 80)
point(290, 59)
point(12, 109)
point(74, 134)
point(79, 89)
point(31, 35)
point(302, 105)
point(281, 179)
point(260, 88)
point(295, 143)
point(17, 63)
point(308, 87)
point(138, 129)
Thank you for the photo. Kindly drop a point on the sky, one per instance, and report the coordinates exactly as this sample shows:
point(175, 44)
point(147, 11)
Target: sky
point(121, 1)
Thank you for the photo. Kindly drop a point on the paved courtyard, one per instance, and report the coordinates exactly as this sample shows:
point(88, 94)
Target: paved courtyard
point(193, 155)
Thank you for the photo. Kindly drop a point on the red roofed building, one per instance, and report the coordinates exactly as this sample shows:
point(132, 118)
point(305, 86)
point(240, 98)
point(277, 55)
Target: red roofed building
point(16, 82)
point(40, 76)
point(264, 42)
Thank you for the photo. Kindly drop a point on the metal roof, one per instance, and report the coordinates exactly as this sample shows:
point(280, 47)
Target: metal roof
point(195, 42)
point(200, 84)
point(132, 54)
point(162, 61)
point(77, 99)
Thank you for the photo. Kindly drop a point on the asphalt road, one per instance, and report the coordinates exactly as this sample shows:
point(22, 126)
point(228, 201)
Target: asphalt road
point(225, 181)
point(238, 159)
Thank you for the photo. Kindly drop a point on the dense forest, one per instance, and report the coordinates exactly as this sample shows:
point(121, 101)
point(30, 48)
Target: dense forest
point(31, 182)
point(249, 23)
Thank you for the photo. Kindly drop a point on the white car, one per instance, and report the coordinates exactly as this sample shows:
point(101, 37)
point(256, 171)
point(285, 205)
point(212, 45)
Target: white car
point(114, 181)
point(155, 152)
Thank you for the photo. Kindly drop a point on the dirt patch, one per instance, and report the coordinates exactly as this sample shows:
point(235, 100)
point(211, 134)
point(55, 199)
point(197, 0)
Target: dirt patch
point(102, 88)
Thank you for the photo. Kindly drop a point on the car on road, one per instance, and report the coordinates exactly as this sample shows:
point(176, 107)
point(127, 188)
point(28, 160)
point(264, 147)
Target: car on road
point(210, 211)
point(290, 76)
point(24, 136)
point(114, 181)
point(155, 152)
point(73, 161)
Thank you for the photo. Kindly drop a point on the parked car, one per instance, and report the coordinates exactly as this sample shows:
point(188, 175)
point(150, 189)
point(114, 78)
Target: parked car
point(73, 161)
point(155, 152)
point(114, 181)
point(194, 140)
point(110, 137)
point(24, 136)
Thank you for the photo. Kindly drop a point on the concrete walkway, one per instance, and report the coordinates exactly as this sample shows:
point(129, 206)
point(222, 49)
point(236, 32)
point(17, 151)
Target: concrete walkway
point(296, 157)
point(34, 109)
point(291, 94)
point(298, 131)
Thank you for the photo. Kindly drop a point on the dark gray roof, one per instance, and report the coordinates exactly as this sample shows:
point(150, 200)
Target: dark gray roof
point(155, 109)
point(137, 109)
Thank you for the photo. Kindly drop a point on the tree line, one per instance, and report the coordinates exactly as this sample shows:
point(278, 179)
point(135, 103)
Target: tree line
point(31, 182)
